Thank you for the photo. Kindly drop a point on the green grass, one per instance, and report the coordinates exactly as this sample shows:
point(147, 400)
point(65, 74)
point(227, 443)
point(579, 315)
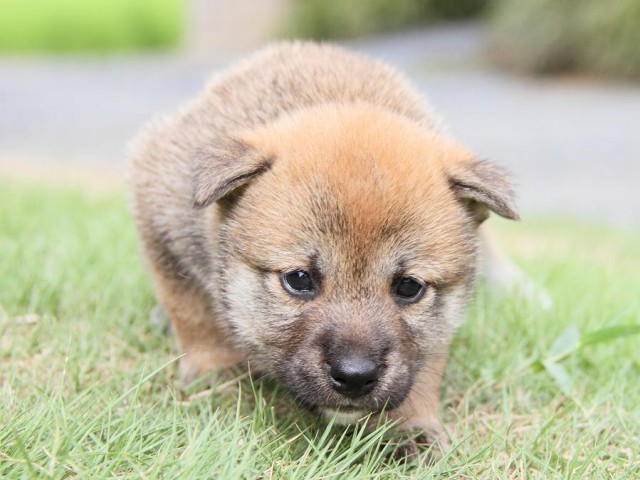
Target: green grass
point(93, 25)
point(87, 385)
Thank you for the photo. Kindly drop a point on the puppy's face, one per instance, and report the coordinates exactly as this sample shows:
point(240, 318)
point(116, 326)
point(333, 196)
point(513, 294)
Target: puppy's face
point(347, 259)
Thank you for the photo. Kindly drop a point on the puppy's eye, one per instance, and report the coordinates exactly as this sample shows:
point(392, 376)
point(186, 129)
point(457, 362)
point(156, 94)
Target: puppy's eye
point(298, 283)
point(408, 290)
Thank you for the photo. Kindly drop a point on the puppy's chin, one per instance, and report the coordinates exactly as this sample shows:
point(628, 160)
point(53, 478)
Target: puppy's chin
point(342, 416)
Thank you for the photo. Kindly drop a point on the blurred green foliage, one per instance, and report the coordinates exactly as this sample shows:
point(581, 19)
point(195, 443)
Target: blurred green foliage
point(88, 25)
point(325, 19)
point(550, 36)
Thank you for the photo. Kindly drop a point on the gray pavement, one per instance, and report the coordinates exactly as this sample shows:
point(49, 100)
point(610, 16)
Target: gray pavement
point(572, 145)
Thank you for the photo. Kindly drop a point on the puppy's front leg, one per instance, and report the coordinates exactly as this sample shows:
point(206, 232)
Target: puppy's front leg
point(418, 413)
point(199, 336)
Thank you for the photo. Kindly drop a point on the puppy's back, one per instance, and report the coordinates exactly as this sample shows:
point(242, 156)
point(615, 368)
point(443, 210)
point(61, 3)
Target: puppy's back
point(291, 76)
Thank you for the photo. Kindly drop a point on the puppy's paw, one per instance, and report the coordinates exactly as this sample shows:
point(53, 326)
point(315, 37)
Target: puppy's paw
point(424, 445)
point(506, 278)
point(199, 367)
point(533, 292)
point(191, 371)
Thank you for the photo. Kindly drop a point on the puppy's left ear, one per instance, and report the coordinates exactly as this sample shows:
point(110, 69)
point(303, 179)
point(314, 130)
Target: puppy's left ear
point(484, 187)
point(223, 168)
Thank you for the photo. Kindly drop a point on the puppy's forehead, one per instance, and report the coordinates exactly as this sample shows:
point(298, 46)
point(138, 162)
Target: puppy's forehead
point(355, 180)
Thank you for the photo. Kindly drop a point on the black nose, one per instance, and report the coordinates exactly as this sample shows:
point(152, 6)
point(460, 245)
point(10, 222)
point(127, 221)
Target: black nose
point(354, 376)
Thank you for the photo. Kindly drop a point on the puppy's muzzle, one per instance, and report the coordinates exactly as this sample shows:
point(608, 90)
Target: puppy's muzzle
point(353, 376)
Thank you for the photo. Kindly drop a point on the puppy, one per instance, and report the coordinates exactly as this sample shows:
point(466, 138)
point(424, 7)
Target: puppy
point(306, 214)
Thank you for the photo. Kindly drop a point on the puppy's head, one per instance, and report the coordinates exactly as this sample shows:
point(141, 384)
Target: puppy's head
point(347, 248)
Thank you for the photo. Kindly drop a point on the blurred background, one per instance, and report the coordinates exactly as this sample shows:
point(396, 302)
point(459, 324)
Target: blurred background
point(548, 88)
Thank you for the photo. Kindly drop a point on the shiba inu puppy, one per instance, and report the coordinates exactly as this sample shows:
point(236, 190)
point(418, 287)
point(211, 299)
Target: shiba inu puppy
point(306, 214)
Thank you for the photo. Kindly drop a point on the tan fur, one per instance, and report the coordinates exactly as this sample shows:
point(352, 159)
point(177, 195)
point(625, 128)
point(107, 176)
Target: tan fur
point(308, 157)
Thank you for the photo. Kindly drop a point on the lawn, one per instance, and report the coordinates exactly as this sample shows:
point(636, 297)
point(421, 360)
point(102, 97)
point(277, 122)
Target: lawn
point(28, 26)
point(87, 385)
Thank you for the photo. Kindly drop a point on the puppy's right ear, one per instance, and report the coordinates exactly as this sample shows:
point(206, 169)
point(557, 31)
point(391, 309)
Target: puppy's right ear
point(220, 169)
point(484, 187)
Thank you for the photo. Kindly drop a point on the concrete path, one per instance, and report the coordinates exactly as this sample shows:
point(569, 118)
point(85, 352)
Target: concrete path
point(573, 146)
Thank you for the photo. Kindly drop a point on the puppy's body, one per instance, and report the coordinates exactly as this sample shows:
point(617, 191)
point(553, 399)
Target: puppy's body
point(307, 162)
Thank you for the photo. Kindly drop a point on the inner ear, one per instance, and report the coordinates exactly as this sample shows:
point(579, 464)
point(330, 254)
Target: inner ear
point(484, 187)
point(221, 168)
